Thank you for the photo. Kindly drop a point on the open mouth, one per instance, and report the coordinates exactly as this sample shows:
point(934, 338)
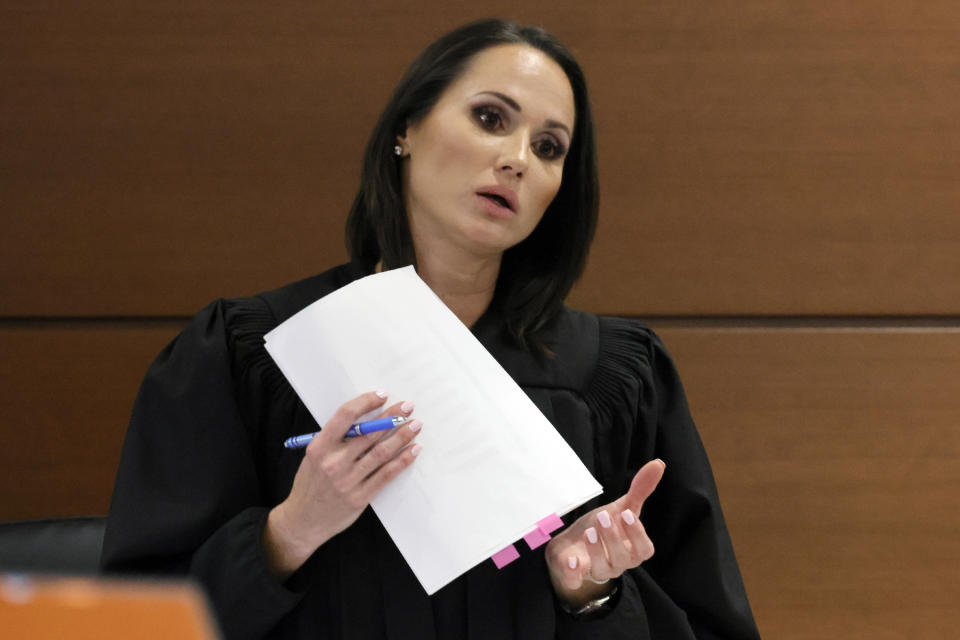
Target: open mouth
point(498, 199)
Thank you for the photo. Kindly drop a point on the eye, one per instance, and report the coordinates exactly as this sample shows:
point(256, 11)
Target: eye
point(549, 149)
point(488, 117)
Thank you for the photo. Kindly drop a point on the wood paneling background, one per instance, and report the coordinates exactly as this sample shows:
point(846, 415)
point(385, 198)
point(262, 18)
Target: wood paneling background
point(837, 456)
point(776, 157)
point(780, 198)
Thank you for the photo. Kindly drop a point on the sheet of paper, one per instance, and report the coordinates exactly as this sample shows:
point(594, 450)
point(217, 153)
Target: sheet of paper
point(492, 465)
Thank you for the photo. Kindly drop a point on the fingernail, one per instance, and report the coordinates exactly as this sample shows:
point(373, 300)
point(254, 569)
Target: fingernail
point(604, 519)
point(592, 535)
point(381, 394)
point(628, 517)
point(662, 463)
point(572, 562)
point(416, 449)
point(415, 425)
point(406, 407)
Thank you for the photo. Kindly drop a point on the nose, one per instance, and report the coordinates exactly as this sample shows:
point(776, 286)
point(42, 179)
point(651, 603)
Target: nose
point(514, 155)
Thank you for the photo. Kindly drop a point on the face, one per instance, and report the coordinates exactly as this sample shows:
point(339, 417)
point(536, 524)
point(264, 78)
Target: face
point(481, 168)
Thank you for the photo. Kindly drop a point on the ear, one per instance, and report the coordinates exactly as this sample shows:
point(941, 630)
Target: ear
point(403, 139)
point(407, 135)
point(400, 149)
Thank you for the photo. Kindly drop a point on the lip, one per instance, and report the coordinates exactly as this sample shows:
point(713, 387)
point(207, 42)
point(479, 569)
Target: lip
point(506, 193)
point(493, 208)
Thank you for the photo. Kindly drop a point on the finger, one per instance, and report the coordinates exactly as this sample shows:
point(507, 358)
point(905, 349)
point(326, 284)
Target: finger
point(618, 547)
point(357, 447)
point(404, 409)
point(573, 571)
point(384, 451)
point(599, 567)
point(642, 485)
point(387, 472)
point(348, 413)
point(636, 534)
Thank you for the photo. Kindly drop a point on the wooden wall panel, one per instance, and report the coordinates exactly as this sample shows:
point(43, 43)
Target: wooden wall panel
point(780, 157)
point(65, 399)
point(837, 454)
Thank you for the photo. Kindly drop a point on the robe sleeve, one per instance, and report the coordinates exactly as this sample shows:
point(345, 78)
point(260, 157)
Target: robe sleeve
point(187, 499)
point(691, 588)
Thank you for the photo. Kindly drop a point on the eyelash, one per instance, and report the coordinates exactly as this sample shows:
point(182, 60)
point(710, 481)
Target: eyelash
point(485, 113)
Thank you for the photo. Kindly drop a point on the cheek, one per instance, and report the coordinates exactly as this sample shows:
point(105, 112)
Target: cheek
point(547, 189)
point(440, 168)
point(450, 147)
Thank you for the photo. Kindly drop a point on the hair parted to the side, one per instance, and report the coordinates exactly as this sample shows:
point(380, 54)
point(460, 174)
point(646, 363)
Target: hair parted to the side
point(535, 275)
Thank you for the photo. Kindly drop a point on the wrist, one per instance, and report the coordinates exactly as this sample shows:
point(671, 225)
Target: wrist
point(286, 550)
point(596, 605)
point(588, 591)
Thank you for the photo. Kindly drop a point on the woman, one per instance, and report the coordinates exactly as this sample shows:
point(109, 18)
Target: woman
point(482, 173)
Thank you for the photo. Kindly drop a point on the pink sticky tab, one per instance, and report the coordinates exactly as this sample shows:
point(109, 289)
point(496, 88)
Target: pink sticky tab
point(505, 556)
point(550, 524)
point(536, 538)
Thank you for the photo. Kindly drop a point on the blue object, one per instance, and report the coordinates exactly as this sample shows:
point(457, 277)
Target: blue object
point(358, 429)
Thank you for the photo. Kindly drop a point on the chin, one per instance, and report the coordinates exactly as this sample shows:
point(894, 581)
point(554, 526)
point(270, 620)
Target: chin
point(493, 238)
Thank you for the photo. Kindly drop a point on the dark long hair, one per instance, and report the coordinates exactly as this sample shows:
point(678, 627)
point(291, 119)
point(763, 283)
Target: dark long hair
point(535, 275)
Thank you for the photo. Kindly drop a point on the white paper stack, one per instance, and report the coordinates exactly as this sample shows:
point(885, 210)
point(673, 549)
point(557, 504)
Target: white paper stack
point(491, 465)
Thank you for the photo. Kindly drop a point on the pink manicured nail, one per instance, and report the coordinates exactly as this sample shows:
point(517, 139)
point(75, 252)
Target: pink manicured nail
point(604, 519)
point(592, 535)
point(406, 407)
point(628, 517)
point(415, 425)
point(381, 394)
point(416, 449)
point(572, 562)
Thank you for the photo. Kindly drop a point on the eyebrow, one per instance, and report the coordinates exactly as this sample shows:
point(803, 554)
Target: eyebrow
point(516, 107)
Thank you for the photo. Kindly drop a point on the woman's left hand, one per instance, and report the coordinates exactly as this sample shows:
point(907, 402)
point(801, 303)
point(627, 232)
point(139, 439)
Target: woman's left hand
point(604, 543)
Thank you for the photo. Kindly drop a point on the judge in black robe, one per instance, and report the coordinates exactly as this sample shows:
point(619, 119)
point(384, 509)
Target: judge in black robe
point(202, 468)
point(202, 465)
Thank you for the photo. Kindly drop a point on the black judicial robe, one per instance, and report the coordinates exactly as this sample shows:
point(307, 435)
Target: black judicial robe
point(202, 465)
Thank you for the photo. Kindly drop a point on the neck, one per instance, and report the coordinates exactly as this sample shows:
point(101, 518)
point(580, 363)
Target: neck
point(464, 283)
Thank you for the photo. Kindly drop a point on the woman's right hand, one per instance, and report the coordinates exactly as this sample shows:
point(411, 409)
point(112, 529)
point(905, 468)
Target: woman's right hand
point(336, 481)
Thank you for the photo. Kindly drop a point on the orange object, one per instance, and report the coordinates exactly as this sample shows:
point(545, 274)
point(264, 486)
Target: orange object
point(44, 608)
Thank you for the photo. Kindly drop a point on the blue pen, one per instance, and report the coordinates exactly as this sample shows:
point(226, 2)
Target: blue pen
point(359, 429)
